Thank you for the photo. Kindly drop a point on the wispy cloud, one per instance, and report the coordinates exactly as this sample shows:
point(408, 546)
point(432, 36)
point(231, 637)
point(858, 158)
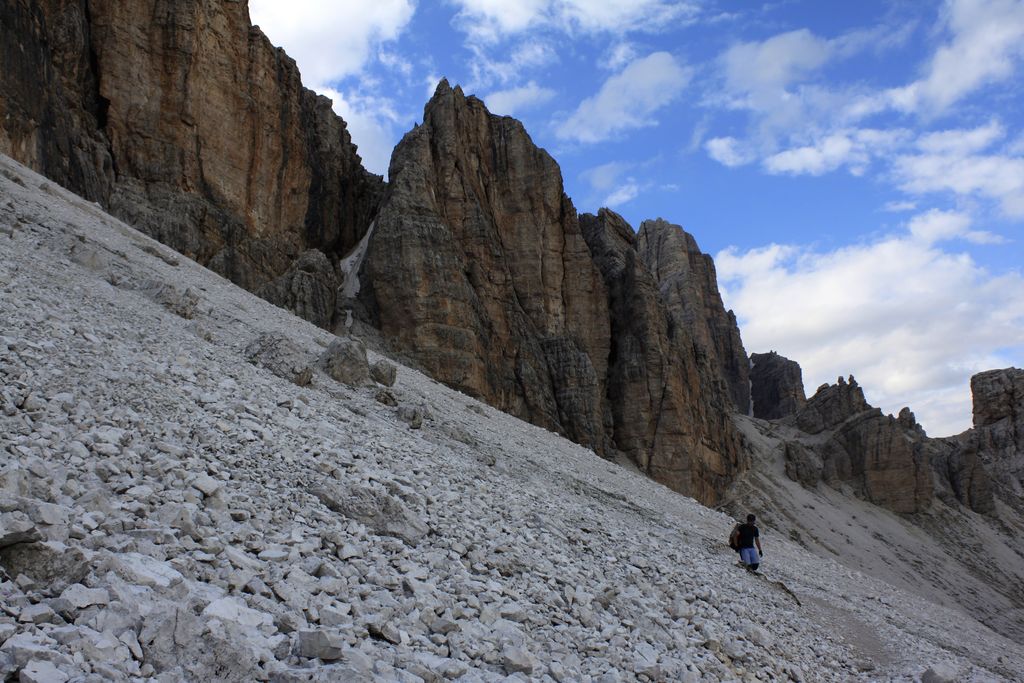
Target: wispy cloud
point(494, 20)
point(513, 100)
point(330, 41)
point(986, 43)
point(627, 100)
point(956, 161)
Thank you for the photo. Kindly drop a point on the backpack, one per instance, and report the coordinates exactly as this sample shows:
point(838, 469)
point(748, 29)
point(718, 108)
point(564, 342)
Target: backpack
point(734, 538)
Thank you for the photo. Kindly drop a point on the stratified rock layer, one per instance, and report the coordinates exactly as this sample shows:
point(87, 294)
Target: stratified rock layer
point(477, 265)
point(776, 386)
point(881, 459)
point(184, 120)
point(997, 439)
point(669, 408)
point(689, 287)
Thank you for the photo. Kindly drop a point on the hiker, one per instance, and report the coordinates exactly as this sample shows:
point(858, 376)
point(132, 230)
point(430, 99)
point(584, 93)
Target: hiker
point(746, 540)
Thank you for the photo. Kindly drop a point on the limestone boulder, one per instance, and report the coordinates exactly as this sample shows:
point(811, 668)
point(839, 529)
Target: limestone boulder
point(384, 372)
point(380, 511)
point(345, 361)
point(52, 565)
point(281, 356)
point(309, 289)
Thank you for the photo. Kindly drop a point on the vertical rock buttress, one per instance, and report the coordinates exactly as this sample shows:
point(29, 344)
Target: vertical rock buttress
point(181, 118)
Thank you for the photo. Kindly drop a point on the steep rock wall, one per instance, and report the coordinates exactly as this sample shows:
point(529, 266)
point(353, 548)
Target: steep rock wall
point(181, 118)
point(669, 408)
point(995, 445)
point(776, 386)
point(689, 287)
point(476, 265)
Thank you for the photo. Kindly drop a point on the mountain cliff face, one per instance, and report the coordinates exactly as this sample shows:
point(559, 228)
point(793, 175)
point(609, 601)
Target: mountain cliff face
point(994, 448)
point(182, 118)
point(776, 386)
point(883, 460)
point(689, 287)
point(478, 267)
point(669, 407)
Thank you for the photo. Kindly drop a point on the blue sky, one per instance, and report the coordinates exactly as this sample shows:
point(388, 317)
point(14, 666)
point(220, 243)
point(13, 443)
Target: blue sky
point(856, 169)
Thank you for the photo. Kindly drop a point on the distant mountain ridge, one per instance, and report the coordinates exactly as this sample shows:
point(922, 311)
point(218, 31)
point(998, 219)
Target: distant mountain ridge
point(944, 516)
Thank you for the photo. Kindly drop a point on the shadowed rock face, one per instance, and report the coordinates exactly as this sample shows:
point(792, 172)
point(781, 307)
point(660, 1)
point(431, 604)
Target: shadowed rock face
point(669, 408)
point(185, 121)
point(893, 463)
point(476, 265)
point(883, 459)
point(997, 439)
point(776, 386)
point(689, 288)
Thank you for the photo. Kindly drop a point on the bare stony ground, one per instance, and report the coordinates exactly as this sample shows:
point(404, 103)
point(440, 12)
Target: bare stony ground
point(186, 494)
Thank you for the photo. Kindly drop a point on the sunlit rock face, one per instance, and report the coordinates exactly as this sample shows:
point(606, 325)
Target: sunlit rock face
point(689, 288)
point(185, 121)
point(479, 267)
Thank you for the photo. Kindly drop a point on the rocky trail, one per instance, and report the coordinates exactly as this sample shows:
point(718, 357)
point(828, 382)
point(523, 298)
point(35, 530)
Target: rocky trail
point(188, 492)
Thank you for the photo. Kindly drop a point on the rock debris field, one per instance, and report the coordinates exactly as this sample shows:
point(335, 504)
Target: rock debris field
point(187, 492)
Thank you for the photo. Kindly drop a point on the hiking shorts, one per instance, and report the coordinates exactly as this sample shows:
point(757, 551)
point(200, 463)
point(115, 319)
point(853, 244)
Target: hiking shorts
point(749, 556)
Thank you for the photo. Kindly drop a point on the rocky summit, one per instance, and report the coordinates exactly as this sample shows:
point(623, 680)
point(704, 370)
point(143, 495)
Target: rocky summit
point(186, 493)
point(479, 269)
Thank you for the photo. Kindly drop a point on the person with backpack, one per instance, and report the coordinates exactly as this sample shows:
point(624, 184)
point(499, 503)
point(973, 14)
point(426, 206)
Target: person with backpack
point(746, 540)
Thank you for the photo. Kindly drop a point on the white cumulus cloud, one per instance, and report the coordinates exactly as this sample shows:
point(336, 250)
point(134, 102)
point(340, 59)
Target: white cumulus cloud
point(910, 320)
point(728, 151)
point(986, 44)
point(850, 148)
point(330, 40)
point(372, 123)
point(628, 99)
